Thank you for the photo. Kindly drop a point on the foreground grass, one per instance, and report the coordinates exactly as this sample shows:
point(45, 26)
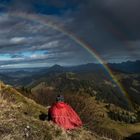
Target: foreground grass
point(125, 130)
point(19, 120)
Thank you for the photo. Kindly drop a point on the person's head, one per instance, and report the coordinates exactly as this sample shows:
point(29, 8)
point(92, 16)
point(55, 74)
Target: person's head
point(59, 98)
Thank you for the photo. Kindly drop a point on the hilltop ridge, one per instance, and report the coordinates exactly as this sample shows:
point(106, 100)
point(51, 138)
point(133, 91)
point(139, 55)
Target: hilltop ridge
point(19, 119)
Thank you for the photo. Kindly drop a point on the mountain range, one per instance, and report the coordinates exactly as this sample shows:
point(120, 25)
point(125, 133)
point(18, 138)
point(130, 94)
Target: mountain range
point(106, 111)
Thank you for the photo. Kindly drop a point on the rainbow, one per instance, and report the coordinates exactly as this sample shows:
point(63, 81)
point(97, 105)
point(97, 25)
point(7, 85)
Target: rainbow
point(44, 21)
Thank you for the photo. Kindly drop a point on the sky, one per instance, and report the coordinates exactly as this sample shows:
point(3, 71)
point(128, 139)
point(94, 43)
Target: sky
point(110, 27)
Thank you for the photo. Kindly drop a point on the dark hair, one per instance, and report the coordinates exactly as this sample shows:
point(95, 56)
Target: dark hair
point(60, 98)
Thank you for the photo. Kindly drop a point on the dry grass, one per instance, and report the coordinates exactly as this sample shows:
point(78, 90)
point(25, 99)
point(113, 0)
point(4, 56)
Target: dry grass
point(15, 124)
point(18, 112)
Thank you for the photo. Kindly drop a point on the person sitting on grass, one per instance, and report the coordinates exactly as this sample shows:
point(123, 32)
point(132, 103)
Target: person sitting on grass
point(63, 114)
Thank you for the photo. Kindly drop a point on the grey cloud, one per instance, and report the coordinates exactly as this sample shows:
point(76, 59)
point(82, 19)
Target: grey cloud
point(121, 16)
point(110, 27)
point(59, 47)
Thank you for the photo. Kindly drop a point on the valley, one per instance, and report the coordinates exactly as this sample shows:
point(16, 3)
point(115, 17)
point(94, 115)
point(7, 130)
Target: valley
point(103, 108)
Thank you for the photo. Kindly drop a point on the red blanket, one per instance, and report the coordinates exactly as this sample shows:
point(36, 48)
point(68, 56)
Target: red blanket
point(63, 115)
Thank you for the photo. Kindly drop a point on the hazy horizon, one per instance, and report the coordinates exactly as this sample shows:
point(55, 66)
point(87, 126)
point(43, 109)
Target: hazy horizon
point(48, 66)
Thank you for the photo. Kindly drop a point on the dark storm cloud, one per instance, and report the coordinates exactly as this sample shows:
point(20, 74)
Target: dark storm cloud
point(120, 18)
point(121, 15)
point(111, 27)
point(23, 45)
point(108, 26)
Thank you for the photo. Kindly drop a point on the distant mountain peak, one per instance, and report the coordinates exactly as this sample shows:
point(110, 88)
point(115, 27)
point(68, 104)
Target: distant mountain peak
point(56, 68)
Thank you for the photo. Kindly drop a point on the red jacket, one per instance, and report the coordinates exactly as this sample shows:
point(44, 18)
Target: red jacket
point(64, 116)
